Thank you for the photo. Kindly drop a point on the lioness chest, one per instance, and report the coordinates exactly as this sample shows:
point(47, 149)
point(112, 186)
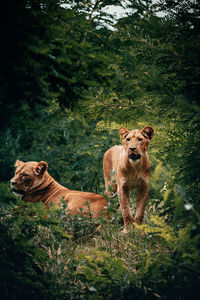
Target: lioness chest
point(133, 176)
point(132, 180)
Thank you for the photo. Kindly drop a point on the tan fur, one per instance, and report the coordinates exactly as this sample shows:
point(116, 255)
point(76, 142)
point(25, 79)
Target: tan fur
point(130, 167)
point(34, 184)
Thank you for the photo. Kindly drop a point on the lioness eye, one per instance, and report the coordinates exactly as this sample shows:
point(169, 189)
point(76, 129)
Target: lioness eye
point(139, 139)
point(24, 175)
point(128, 139)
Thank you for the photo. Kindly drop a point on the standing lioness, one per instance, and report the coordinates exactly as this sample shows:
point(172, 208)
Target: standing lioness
point(34, 184)
point(130, 166)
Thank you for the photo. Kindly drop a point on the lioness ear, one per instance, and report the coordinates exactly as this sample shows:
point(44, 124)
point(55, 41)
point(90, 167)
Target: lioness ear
point(41, 168)
point(18, 163)
point(123, 132)
point(148, 132)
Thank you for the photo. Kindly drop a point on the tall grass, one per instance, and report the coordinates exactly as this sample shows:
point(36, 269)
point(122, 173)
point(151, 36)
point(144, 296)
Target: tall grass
point(48, 255)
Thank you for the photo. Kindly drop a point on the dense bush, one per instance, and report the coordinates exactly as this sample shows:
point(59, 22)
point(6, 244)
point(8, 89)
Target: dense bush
point(71, 76)
point(45, 254)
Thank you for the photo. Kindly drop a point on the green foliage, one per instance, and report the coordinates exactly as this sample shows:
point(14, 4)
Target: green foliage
point(8, 152)
point(58, 55)
point(48, 254)
point(79, 149)
point(145, 71)
point(20, 274)
point(177, 269)
point(102, 275)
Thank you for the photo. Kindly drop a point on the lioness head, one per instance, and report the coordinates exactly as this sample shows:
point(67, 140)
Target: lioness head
point(136, 141)
point(27, 176)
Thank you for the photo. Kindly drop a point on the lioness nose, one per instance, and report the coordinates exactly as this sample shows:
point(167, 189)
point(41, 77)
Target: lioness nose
point(13, 182)
point(132, 149)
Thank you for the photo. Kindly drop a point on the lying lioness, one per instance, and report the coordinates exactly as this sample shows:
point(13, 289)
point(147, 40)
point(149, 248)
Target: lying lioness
point(130, 167)
point(34, 184)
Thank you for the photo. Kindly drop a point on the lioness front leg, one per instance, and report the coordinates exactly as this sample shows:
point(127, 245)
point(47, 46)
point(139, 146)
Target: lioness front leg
point(125, 207)
point(111, 188)
point(141, 198)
